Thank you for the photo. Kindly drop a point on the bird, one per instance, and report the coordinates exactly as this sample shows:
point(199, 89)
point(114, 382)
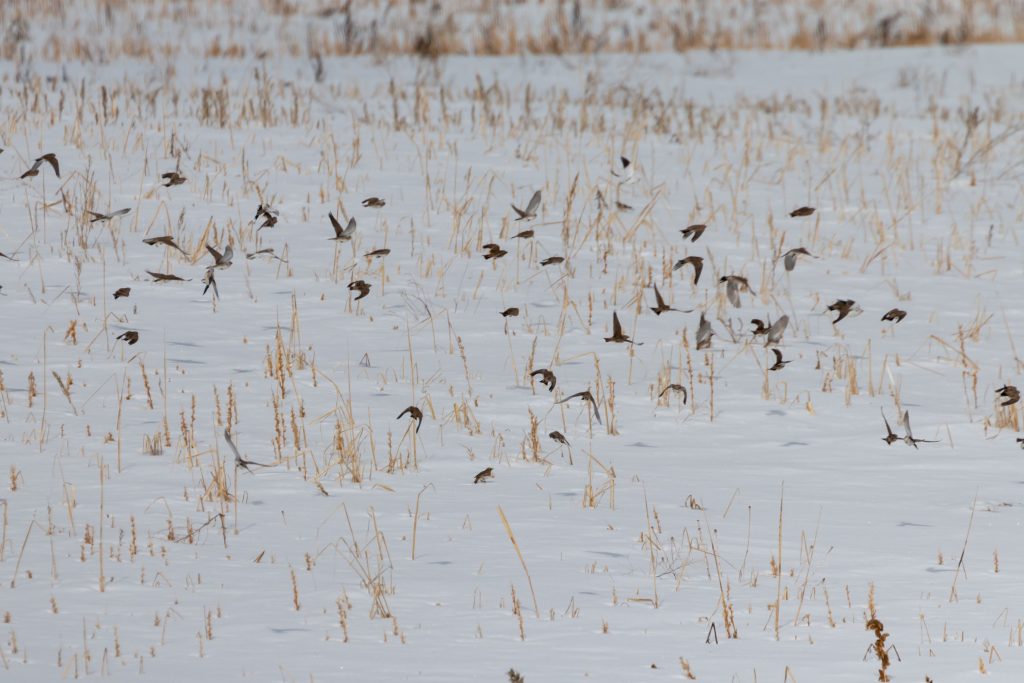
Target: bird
point(265, 211)
point(510, 312)
point(165, 240)
point(660, 305)
point(9, 258)
point(165, 277)
point(842, 307)
point(122, 292)
point(622, 206)
point(531, 208)
point(704, 333)
point(373, 202)
point(209, 281)
point(894, 315)
point(733, 285)
point(890, 436)
point(552, 260)
point(269, 219)
point(523, 235)
point(909, 437)
point(693, 232)
point(775, 332)
point(559, 437)
point(377, 253)
point(414, 413)
point(1010, 393)
point(789, 259)
point(359, 286)
point(617, 335)
point(626, 171)
point(586, 396)
point(759, 327)
point(173, 178)
point(131, 336)
point(1020, 441)
point(493, 251)
point(221, 261)
point(484, 475)
point(342, 234)
point(49, 158)
point(696, 261)
point(239, 460)
point(675, 387)
point(106, 216)
point(779, 363)
point(269, 251)
point(802, 211)
point(547, 378)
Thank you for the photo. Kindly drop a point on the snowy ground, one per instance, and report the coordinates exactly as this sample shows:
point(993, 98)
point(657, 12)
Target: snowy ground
point(132, 548)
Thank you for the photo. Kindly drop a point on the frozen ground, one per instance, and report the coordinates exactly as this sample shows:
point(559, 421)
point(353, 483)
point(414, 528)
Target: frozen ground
point(132, 548)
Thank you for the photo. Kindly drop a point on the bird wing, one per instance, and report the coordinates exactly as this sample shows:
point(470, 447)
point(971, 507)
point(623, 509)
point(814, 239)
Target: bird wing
point(52, 160)
point(616, 326)
point(228, 253)
point(350, 229)
point(338, 230)
point(790, 260)
point(657, 297)
point(698, 266)
point(217, 256)
point(531, 208)
point(732, 292)
point(777, 329)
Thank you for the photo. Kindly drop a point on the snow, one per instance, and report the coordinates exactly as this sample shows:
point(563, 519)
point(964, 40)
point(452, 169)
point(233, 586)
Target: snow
point(612, 566)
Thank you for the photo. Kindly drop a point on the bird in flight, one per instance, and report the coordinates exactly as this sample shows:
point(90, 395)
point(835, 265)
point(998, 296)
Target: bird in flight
point(359, 286)
point(131, 336)
point(843, 307)
point(696, 261)
point(676, 388)
point(586, 396)
point(414, 413)
point(48, 158)
point(511, 312)
point(173, 178)
point(894, 315)
point(493, 251)
point(625, 171)
point(733, 285)
point(704, 333)
point(531, 208)
point(774, 333)
point(779, 363)
point(209, 281)
point(693, 232)
point(373, 202)
point(802, 211)
point(523, 235)
point(547, 378)
point(268, 251)
point(106, 216)
point(890, 436)
point(377, 253)
point(660, 305)
point(552, 260)
point(789, 259)
point(268, 214)
point(165, 240)
point(122, 292)
point(617, 335)
point(1010, 393)
point(165, 277)
point(221, 261)
point(559, 437)
point(239, 460)
point(342, 234)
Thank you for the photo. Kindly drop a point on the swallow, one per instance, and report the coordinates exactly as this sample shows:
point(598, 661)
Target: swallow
point(266, 211)
point(842, 307)
point(484, 475)
point(890, 436)
point(789, 258)
point(173, 178)
point(269, 221)
point(696, 261)
point(552, 260)
point(510, 312)
point(50, 159)
point(269, 251)
point(165, 277)
point(414, 413)
point(239, 460)
point(802, 211)
point(1010, 393)
point(547, 378)
point(373, 202)
point(909, 438)
point(342, 234)
point(733, 285)
point(359, 286)
point(559, 437)
point(704, 333)
point(775, 332)
point(779, 363)
point(96, 217)
point(493, 251)
point(626, 171)
point(660, 305)
point(617, 335)
point(377, 253)
point(9, 258)
point(622, 206)
point(165, 240)
point(131, 336)
point(674, 387)
point(122, 292)
point(531, 208)
point(221, 261)
point(209, 281)
point(693, 232)
point(586, 396)
point(895, 315)
point(759, 327)
point(523, 235)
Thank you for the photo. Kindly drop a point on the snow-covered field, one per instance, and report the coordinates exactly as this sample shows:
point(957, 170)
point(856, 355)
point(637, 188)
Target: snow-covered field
point(749, 534)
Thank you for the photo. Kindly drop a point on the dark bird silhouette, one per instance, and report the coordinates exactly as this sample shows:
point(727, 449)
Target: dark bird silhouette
point(733, 285)
point(779, 363)
point(890, 436)
point(552, 260)
point(704, 333)
point(131, 336)
point(510, 312)
point(531, 208)
point(909, 437)
point(50, 159)
point(122, 292)
point(173, 178)
point(359, 286)
point(373, 202)
point(677, 388)
point(483, 475)
point(759, 327)
point(789, 258)
point(559, 437)
point(377, 253)
point(696, 261)
point(523, 235)
point(414, 413)
point(895, 316)
point(165, 240)
point(342, 234)
point(617, 335)
point(693, 232)
point(165, 277)
point(661, 307)
point(802, 211)
point(96, 217)
point(586, 396)
point(493, 251)
point(547, 378)
point(239, 460)
point(1010, 393)
point(842, 307)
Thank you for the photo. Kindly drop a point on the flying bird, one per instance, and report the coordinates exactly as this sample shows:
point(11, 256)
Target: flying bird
point(377, 253)
point(777, 329)
point(165, 277)
point(493, 251)
point(239, 460)
point(733, 285)
point(209, 281)
point(269, 251)
point(586, 396)
point(626, 171)
point(523, 235)
point(1010, 393)
point(414, 413)
point(342, 234)
point(622, 206)
point(173, 178)
point(106, 216)
point(221, 261)
point(660, 306)
point(890, 436)
point(547, 378)
point(676, 388)
point(531, 208)
point(552, 260)
point(759, 327)
point(122, 292)
point(373, 202)
point(909, 437)
point(693, 232)
point(131, 336)
point(484, 475)
point(802, 211)
point(617, 335)
point(779, 363)
point(696, 261)
point(511, 312)
point(359, 286)
point(894, 315)
point(789, 259)
point(704, 333)
point(842, 307)
point(559, 437)
point(50, 159)
point(165, 240)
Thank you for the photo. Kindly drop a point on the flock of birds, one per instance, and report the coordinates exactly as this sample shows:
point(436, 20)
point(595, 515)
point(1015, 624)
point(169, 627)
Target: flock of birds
point(735, 285)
